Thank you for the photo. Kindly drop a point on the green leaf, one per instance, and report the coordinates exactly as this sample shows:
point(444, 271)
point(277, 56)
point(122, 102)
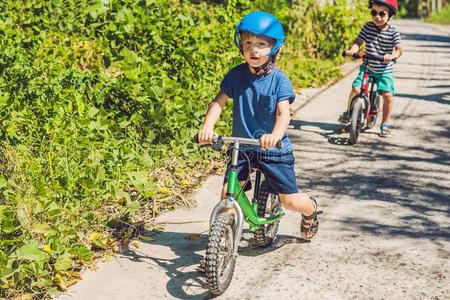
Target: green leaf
point(63, 264)
point(22, 216)
point(84, 253)
point(139, 177)
point(3, 182)
point(41, 228)
point(100, 173)
point(92, 111)
point(130, 57)
point(30, 252)
point(53, 209)
point(80, 105)
point(156, 91)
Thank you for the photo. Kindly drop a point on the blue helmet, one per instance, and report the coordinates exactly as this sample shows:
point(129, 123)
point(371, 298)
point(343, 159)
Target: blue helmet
point(261, 24)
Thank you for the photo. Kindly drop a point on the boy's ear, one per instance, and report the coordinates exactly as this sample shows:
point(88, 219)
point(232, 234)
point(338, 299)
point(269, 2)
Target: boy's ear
point(240, 43)
point(241, 40)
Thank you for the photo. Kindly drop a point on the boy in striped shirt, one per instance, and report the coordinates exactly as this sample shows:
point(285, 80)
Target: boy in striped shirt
point(381, 39)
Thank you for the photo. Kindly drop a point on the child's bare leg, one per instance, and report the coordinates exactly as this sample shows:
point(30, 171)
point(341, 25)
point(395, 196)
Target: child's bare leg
point(299, 202)
point(388, 104)
point(303, 204)
point(224, 191)
point(345, 117)
point(355, 91)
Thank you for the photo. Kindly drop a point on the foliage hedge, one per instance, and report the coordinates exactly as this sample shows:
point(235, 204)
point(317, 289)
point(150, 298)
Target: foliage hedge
point(98, 104)
point(440, 17)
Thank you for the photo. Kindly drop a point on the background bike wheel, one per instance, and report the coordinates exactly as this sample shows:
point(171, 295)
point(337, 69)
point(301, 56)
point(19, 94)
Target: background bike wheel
point(219, 258)
point(356, 120)
point(268, 204)
point(372, 121)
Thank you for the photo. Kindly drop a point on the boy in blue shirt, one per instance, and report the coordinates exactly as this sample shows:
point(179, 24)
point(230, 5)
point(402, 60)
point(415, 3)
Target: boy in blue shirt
point(261, 96)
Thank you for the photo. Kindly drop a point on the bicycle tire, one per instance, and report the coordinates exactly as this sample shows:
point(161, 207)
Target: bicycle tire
point(268, 204)
point(356, 120)
point(219, 271)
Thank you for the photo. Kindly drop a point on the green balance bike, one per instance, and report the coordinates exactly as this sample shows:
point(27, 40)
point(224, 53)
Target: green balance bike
point(263, 215)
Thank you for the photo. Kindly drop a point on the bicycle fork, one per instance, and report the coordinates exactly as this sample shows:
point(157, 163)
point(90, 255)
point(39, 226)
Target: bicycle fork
point(239, 219)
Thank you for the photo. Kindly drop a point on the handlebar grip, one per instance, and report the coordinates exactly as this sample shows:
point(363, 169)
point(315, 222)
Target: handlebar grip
point(214, 139)
point(196, 138)
point(279, 144)
point(344, 53)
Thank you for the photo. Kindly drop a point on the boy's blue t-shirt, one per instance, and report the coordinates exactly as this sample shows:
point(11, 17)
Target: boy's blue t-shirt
point(255, 101)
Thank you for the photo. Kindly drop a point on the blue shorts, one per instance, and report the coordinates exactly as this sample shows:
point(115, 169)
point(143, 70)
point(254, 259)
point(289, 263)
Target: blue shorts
point(278, 171)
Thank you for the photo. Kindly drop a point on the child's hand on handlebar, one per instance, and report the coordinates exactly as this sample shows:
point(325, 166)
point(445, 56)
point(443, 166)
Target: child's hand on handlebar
point(268, 141)
point(348, 53)
point(388, 58)
point(205, 136)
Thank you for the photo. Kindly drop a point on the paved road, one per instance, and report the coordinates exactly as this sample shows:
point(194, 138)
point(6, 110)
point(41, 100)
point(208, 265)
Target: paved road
point(385, 233)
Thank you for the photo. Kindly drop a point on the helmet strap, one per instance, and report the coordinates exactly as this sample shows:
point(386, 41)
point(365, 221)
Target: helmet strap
point(265, 68)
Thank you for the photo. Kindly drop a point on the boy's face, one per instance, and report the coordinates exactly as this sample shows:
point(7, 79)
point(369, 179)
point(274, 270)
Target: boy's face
point(256, 49)
point(380, 14)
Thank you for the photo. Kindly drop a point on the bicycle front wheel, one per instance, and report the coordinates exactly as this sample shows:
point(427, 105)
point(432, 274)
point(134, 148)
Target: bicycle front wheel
point(220, 261)
point(356, 119)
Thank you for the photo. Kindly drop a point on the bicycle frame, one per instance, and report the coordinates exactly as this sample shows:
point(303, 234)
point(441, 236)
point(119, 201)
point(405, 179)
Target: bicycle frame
point(364, 93)
point(237, 199)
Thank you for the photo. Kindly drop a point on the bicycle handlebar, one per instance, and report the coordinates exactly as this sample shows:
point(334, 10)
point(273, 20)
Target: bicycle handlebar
point(367, 56)
point(219, 140)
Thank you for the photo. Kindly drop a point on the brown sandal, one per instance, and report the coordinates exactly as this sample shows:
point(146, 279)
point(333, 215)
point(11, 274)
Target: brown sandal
point(310, 228)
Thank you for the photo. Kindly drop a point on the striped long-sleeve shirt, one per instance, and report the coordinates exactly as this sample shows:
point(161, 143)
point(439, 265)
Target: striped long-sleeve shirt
point(379, 42)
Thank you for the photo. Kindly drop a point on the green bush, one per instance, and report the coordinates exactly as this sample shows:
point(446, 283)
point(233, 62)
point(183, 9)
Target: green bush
point(440, 17)
point(98, 104)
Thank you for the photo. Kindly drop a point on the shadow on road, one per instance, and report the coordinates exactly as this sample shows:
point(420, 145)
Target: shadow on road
point(428, 51)
point(413, 177)
point(434, 46)
point(282, 240)
point(442, 86)
point(427, 37)
point(300, 125)
point(327, 130)
point(409, 63)
point(420, 78)
point(438, 98)
point(185, 282)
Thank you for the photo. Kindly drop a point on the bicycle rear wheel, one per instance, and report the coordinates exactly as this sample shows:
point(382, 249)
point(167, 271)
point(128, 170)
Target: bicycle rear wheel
point(268, 204)
point(220, 261)
point(356, 119)
point(373, 117)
